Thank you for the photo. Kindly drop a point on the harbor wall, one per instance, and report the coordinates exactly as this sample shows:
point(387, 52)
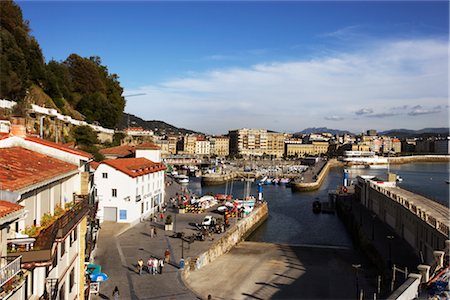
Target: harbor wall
point(419, 158)
point(215, 179)
point(231, 238)
point(315, 185)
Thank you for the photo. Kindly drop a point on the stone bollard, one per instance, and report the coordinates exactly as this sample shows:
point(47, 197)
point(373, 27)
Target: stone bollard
point(439, 257)
point(425, 272)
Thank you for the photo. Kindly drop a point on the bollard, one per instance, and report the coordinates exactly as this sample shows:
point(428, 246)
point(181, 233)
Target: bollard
point(439, 257)
point(425, 272)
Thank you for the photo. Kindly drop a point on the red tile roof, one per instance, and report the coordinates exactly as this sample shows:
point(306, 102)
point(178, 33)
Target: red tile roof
point(58, 146)
point(21, 167)
point(120, 151)
point(94, 165)
point(134, 167)
point(148, 146)
point(7, 208)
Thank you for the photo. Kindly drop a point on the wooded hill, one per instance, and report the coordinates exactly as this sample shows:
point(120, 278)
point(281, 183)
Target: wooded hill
point(77, 86)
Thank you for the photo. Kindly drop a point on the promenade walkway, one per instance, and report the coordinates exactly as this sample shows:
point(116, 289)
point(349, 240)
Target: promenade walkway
point(120, 246)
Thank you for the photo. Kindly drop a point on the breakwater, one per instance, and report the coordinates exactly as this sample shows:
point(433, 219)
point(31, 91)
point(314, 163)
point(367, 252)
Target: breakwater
point(419, 158)
point(216, 179)
point(231, 238)
point(315, 185)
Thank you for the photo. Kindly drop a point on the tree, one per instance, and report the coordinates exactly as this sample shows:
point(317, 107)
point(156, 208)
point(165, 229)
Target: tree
point(85, 135)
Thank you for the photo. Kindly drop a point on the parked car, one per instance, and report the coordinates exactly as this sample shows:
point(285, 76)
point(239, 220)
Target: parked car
point(209, 221)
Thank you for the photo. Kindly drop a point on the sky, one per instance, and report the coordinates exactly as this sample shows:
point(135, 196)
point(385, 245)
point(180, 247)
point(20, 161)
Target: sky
point(214, 66)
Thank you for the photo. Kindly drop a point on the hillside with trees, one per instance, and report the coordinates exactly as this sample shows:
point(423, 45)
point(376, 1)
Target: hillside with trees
point(78, 86)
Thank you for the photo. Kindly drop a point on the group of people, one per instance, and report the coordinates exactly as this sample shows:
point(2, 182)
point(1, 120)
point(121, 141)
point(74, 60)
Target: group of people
point(154, 265)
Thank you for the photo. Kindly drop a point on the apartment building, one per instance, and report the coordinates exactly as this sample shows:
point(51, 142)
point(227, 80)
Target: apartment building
point(202, 146)
point(275, 144)
point(220, 146)
point(248, 142)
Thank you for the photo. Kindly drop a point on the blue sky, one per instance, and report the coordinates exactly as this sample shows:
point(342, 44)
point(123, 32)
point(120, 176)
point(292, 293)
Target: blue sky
point(215, 66)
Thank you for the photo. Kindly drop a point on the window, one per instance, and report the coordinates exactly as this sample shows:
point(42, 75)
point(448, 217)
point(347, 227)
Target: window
point(63, 248)
point(114, 193)
point(62, 292)
point(105, 175)
point(75, 234)
point(71, 280)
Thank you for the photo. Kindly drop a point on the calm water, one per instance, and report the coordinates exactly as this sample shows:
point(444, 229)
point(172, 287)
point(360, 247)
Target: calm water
point(291, 220)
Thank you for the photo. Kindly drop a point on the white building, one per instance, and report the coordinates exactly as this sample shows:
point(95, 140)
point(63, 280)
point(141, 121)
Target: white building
point(149, 151)
point(52, 182)
point(202, 146)
point(129, 189)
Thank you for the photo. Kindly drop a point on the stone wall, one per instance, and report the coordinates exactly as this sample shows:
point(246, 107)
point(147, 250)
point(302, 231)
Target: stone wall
point(232, 237)
point(419, 158)
point(315, 185)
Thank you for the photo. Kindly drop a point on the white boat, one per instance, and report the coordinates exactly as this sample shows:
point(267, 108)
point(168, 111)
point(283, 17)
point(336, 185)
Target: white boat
point(182, 178)
point(399, 179)
point(284, 180)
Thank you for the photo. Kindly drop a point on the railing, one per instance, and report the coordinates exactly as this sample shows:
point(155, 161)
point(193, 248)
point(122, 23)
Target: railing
point(42, 248)
point(11, 269)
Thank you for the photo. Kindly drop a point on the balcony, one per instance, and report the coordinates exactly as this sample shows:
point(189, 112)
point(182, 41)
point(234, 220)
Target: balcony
point(10, 268)
point(41, 247)
point(138, 198)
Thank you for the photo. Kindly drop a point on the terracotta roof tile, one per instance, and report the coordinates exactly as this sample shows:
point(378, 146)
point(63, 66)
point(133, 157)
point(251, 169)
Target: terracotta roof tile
point(21, 167)
point(58, 146)
point(7, 208)
point(94, 165)
point(120, 151)
point(147, 146)
point(134, 167)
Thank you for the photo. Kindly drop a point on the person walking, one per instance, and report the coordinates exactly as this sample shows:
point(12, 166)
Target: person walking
point(155, 266)
point(167, 256)
point(140, 265)
point(116, 293)
point(161, 265)
point(150, 265)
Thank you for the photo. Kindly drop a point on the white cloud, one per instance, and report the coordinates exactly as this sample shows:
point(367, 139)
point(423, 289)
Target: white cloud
point(300, 94)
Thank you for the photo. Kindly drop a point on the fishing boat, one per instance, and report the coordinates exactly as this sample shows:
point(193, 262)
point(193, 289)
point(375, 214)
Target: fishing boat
point(284, 180)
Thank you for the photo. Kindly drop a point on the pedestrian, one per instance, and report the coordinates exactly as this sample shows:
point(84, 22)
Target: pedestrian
point(116, 293)
point(167, 256)
point(161, 216)
point(154, 219)
point(150, 265)
point(155, 266)
point(152, 231)
point(140, 266)
point(161, 265)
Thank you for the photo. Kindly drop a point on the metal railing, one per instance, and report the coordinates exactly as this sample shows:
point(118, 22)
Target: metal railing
point(11, 269)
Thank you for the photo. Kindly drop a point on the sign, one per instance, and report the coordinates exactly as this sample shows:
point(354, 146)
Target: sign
point(98, 277)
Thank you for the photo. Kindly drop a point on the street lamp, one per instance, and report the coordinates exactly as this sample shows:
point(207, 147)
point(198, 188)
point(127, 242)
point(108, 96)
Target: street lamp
point(357, 266)
point(390, 238)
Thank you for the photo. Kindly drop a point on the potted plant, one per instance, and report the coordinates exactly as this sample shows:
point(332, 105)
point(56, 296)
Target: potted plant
point(181, 209)
point(168, 225)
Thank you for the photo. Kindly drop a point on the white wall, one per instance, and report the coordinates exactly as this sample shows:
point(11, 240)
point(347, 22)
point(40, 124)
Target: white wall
point(153, 155)
point(148, 187)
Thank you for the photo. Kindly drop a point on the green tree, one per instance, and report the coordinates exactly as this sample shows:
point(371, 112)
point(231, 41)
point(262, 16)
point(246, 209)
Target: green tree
point(85, 135)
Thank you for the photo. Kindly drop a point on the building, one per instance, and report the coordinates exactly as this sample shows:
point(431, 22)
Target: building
point(220, 146)
point(138, 131)
point(371, 132)
point(124, 151)
point(189, 141)
point(442, 146)
point(172, 144)
point(149, 151)
point(301, 150)
point(52, 183)
point(129, 189)
point(12, 279)
point(202, 146)
point(275, 144)
point(248, 142)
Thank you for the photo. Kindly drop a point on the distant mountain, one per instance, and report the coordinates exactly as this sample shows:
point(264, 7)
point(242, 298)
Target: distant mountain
point(322, 130)
point(159, 127)
point(408, 133)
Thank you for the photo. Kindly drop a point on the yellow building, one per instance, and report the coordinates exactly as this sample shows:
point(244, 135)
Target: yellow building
point(275, 144)
point(302, 150)
point(220, 146)
point(189, 144)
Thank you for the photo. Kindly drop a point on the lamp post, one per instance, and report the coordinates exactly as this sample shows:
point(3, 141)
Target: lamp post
point(390, 238)
point(357, 266)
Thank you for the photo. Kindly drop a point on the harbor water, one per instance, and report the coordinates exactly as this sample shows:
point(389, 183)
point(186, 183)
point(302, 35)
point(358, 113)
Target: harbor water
point(291, 220)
